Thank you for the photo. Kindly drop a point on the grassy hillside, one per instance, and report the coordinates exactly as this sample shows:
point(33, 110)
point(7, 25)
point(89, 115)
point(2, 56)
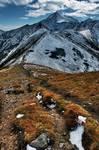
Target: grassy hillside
point(72, 94)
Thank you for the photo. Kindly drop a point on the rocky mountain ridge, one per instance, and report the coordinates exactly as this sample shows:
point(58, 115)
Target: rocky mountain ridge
point(63, 32)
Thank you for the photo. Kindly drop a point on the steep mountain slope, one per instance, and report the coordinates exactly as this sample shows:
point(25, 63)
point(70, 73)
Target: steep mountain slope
point(21, 49)
point(61, 54)
point(56, 51)
point(58, 46)
point(11, 39)
point(93, 27)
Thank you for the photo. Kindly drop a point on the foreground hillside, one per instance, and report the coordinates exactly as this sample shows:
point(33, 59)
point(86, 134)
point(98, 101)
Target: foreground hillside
point(43, 109)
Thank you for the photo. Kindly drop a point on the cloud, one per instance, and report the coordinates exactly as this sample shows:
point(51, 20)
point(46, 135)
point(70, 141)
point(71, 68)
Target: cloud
point(37, 8)
point(2, 5)
point(42, 7)
point(16, 2)
point(9, 27)
point(4, 2)
point(22, 2)
point(24, 18)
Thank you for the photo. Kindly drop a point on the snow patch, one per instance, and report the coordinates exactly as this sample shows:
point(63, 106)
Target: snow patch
point(76, 58)
point(43, 74)
point(86, 33)
point(18, 116)
point(30, 147)
point(39, 96)
point(51, 106)
point(76, 137)
point(40, 57)
point(81, 119)
point(61, 20)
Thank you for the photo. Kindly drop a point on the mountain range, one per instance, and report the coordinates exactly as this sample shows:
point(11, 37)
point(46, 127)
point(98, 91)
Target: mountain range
point(59, 41)
point(49, 84)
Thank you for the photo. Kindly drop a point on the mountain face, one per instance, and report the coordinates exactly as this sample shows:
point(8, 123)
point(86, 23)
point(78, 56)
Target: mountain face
point(60, 42)
point(1, 31)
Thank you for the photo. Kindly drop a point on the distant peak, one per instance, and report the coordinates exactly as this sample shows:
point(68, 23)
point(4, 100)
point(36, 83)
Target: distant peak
point(62, 15)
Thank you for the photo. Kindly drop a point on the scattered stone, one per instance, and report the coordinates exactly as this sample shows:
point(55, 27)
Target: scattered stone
point(49, 103)
point(12, 90)
point(52, 105)
point(42, 142)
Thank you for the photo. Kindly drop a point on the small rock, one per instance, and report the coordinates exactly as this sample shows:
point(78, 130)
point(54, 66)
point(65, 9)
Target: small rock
point(49, 103)
point(12, 90)
point(41, 142)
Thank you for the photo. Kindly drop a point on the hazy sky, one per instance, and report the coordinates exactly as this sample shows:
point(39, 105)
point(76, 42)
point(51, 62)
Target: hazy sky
point(15, 13)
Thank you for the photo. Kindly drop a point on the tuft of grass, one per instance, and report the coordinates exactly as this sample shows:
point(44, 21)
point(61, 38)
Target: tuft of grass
point(35, 121)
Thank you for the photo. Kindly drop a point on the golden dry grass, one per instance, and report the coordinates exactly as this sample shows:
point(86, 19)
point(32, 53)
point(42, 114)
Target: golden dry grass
point(35, 120)
point(84, 86)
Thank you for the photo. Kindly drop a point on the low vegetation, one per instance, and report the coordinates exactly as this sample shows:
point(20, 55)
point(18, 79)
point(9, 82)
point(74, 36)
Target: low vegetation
point(71, 94)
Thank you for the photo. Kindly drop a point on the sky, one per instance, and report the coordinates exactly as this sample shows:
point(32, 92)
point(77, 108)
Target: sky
point(16, 13)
